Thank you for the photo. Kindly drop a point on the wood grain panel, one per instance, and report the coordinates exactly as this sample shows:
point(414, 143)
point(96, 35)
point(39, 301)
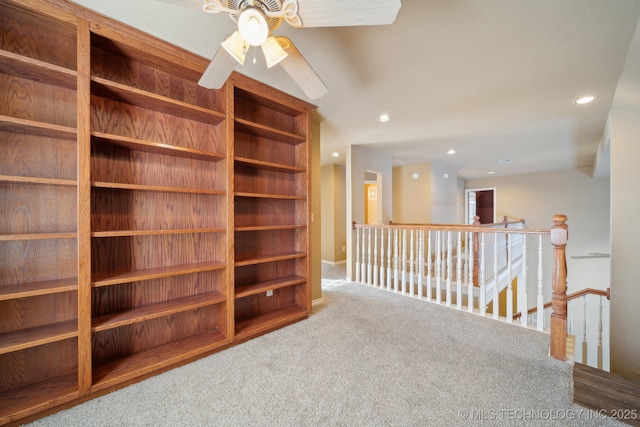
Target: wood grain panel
point(37, 37)
point(122, 254)
point(37, 156)
point(249, 274)
point(111, 163)
point(142, 210)
point(267, 150)
point(30, 366)
point(259, 304)
point(262, 110)
point(114, 344)
point(126, 120)
point(108, 299)
point(261, 212)
point(119, 67)
point(31, 100)
point(20, 313)
point(29, 261)
point(256, 244)
point(27, 208)
point(252, 180)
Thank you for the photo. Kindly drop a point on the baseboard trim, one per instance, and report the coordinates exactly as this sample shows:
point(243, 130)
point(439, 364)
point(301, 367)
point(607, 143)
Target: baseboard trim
point(334, 262)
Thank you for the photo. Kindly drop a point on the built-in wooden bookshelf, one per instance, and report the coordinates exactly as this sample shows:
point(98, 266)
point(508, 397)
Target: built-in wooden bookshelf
point(145, 221)
point(271, 165)
point(38, 222)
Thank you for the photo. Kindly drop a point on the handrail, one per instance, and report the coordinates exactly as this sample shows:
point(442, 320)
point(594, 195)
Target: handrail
point(578, 294)
point(505, 222)
point(456, 227)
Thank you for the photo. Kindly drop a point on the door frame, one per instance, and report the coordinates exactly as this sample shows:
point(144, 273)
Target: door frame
point(467, 191)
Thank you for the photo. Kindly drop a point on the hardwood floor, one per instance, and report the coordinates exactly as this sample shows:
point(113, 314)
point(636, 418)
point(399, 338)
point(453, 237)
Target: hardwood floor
point(609, 394)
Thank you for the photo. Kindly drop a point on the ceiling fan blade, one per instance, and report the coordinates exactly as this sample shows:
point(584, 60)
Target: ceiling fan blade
point(341, 13)
point(218, 70)
point(300, 71)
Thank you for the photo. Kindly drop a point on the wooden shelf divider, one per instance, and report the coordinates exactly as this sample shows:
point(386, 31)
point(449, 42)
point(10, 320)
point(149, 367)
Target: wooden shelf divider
point(152, 311)
point(20, 340)
point(117, 278)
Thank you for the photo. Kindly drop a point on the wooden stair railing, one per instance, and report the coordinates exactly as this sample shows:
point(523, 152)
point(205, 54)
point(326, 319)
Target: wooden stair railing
point(575, 295)
point(578, 294)
point(401, 266)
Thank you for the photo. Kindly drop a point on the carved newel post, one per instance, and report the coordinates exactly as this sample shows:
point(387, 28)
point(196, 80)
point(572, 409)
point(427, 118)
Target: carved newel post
point(559, 237)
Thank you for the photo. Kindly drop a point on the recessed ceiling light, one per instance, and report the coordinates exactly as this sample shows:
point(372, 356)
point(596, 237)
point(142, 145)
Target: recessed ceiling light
point(384, 118)
point(336, 154)
point(491, 173)
point(452, 151)
point(584, 100)
point(505, 161)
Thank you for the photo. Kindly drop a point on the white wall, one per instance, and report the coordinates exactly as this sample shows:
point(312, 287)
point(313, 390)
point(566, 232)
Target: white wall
point(625, 238)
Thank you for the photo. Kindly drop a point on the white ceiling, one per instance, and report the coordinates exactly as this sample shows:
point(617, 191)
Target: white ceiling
point(492, 79)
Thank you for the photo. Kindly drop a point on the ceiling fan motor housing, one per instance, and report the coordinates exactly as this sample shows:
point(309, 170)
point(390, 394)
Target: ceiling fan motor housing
point(264, 5)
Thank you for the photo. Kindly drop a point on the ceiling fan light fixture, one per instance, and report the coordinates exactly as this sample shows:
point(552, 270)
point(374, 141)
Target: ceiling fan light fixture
point(236, 47)
point(253, 26)
point(273, 52)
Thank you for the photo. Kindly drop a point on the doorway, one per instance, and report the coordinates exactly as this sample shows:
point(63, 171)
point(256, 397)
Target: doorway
point(481, 202)
point(372, 207)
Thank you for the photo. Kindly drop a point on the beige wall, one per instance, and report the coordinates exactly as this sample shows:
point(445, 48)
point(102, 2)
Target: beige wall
point(411, 197)
point(431, 198)
point(625, 237)
point(333, 213)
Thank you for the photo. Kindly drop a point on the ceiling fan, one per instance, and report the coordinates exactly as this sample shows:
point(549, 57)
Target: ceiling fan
point(257, 19)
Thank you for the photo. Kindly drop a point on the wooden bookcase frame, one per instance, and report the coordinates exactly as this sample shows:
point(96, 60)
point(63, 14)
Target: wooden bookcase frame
point(146, 221)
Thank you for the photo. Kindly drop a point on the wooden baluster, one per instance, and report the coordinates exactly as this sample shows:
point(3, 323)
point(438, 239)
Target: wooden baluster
point(559, 237)
point(482, 302)
point(470, 276)
point(509, 284)
point(429, 265)
point(389, 258)
point(403, 267)
point(420, 262)
point(540, 301)
point(496, 283)
point(438, 265)
point(395, 260)
point(585, 346)
point(459, 261)
point(449, 267)
point(411, 265)
point(381, 273)
point(375, 258)
point(476, 252)
point(358, 255)
point(523, 304)
point(599, 361)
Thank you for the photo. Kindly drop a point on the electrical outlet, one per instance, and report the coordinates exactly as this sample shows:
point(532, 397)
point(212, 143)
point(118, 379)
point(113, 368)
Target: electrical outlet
point(344, 249)
point(270, 293)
